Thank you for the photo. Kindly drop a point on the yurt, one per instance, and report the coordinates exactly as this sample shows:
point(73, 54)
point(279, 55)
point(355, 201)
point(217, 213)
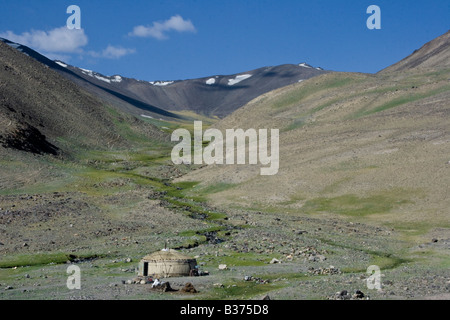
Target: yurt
point(167, 263)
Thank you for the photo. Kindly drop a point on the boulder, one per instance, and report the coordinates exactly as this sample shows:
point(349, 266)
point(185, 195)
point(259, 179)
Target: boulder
point(189, 288)
point(274, 260)
point(358, 294)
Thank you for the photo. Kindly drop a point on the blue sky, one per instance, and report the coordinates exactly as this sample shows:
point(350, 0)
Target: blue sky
point(173, 39)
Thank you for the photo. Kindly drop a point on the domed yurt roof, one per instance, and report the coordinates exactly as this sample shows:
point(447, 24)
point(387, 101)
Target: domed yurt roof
point(167, 263)
point(166, 255)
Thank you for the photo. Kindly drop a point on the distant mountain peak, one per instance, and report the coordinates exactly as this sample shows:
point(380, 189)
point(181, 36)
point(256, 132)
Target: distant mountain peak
point(217, 95)
point(306, 65)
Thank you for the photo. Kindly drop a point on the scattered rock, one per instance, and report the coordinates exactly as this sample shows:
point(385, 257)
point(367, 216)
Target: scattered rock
point(316, 258)
point(345, 295)
point(128, 260)
point(247, 278)
point(260, 280)
point(223, 267)
point(8, 288)
point(330, 271)
point(321, 257)
point(162, 286)
point(266, 297)
point(274, 260)
point(218, 285)
point(189, 288)
point(358, 294)
point(434, 240)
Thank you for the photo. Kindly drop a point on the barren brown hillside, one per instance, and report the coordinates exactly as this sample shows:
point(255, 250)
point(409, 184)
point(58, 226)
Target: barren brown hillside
point(434, 54)
point(39, 102)
point(42, 113)
point(374, 148)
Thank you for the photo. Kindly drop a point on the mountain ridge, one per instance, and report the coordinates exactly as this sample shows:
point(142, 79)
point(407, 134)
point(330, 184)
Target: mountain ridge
point(216, 95)
point(433, 54)
point(213, 96)
point(39, 107)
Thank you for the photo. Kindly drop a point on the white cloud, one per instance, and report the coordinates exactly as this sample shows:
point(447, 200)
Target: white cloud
point(159, 29)
point(58, 43)
point(56, 40)
point(112, 52)
point(60, 57)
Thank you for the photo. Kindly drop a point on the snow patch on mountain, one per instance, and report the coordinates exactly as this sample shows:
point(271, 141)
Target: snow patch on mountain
point(238, 79)
point(161, 83)
point(305, 65)
point(61, 64)
point(87, 72)
point(210, 81)
point(117, 79)
point(145, 116)
point(98, 76)
point(102, 79)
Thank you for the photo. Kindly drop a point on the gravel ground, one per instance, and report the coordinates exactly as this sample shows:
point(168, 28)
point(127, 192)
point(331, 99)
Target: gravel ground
point(285, 257)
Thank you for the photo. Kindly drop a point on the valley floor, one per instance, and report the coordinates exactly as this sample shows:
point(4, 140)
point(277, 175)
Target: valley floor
point(116, 212)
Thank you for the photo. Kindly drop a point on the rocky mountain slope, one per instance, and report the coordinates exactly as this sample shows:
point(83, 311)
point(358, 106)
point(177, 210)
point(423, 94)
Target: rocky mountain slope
point(212, 96)
point(43, 113)
point(76, 75)
point(434, 54)
point(38, 105)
